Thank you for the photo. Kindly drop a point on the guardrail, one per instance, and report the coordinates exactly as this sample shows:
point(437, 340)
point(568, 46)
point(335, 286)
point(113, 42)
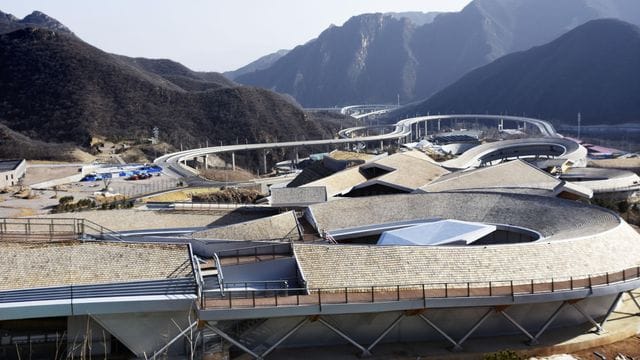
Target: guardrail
point(220, 275)
point(53, 229)
point(211, 205)
point(254, 253)
point(71, 292)
point(259, 298)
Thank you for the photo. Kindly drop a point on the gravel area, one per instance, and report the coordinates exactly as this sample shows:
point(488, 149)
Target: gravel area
point(39, 173)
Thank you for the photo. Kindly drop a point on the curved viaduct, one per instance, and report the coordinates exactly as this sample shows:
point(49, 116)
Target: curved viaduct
point(401, 130)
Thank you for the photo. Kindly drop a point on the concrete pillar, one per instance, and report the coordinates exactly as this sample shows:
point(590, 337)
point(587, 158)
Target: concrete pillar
point(438, 125)
point(233, 161)
point(206, 161)
point(381, 145)
point(264, 161)
point(501, 125)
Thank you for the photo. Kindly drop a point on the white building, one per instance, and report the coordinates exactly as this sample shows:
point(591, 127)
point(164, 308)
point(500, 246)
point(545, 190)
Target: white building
point(11, 171)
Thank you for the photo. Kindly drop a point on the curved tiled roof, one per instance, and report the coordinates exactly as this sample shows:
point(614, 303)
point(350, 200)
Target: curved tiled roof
point(578, 240)
point(553, 218)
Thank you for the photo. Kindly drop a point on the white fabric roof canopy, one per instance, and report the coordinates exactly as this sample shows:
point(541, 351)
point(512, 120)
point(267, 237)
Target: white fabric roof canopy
point(443, 232)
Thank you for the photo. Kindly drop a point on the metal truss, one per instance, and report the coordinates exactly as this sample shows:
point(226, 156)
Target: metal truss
point(456, 345)
point(635, 301)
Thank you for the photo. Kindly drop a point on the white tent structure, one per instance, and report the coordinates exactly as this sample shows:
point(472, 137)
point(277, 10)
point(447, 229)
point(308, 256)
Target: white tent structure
point(443, 232)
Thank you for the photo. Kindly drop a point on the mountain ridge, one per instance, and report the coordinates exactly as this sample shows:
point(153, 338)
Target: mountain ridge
point(10, 23)
point(58, 88)
point(422, 59)
point(594, 69)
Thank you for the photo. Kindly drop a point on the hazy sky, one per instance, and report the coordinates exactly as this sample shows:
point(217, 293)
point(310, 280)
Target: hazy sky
point(214, 35)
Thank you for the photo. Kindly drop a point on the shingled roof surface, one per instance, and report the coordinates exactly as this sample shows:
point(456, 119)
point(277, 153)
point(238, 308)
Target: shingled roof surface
point(412, 170)
point(513, 174)
point(33, 265)
point(339, 266)
point(281, 226)
point(554, 218)
point(408, 170)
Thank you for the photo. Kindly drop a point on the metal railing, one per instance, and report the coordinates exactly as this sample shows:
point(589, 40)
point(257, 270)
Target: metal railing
point(105, 233)
point(254, 253)
point(174, 286)
point(259, 298)
point(210, 205)
point(255, 285)
point(53, 229)
point(220, 275)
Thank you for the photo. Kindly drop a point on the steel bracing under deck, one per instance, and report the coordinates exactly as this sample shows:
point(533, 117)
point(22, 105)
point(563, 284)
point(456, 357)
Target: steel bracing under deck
point(423, 314)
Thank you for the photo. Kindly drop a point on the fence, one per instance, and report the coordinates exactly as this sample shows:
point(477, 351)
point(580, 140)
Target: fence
point(259, 298)
point(136, 188)
point(254, 253)
point(53, 229)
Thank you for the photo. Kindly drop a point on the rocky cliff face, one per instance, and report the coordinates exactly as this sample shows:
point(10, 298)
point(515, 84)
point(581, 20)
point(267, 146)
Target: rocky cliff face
point(375, 57)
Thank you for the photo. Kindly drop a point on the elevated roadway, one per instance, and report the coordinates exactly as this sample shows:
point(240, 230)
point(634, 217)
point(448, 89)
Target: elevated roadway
point(509, 149)
point(403, 129)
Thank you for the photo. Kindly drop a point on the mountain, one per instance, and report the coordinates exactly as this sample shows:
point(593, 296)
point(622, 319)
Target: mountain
point(14, 145)
point(55, 87)
point(416, 17)
point(179, 74)
point(10, 23)
point(593, 69)
point(373, 58)
point(345, 63)
point(262, 63)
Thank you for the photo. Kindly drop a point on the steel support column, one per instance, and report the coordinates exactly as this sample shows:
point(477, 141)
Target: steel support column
point(515, 323)
point(548, 323)
point(232, 340)
point(285, 337)
point(364, 351)
point(386, 331)
point(599, 329)
point(635, 301)
point(166, 346)
point(456, 346)
point(613, 306)
point(475, 327)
